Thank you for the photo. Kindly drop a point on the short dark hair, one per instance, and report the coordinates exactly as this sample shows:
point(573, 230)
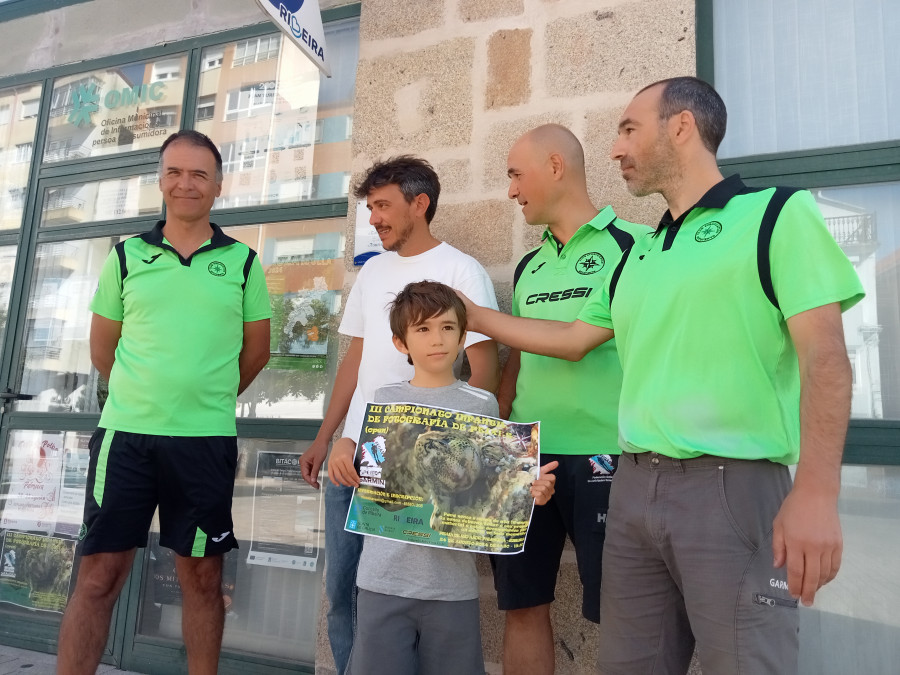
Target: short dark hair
point(197, 139)
point(701, 100)
point(413, 175)
point(422, 300)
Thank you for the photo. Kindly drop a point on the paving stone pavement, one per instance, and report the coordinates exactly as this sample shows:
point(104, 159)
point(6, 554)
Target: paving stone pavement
point(14, 661)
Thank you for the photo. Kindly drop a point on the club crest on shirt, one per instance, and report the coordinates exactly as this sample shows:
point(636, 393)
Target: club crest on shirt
point(590, 263)
point(216, 268)
point(708, 231)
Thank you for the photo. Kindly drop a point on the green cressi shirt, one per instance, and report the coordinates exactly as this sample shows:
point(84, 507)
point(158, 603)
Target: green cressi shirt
point(576, 402)
point(709, 365)
point(176, 367)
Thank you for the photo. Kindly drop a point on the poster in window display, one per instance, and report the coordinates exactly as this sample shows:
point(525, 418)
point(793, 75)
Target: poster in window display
point(285, 523)
point(36, 570)
point(443, 478)
point(33, 481)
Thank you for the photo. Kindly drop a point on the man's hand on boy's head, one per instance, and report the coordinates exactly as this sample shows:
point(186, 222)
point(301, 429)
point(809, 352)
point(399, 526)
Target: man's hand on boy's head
point(340, 465)
point(544, 487)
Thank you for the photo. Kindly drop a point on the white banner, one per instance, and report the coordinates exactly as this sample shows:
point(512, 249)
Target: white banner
point(301, 21)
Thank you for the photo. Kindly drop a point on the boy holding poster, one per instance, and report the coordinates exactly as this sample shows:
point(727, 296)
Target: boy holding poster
point(417, 609)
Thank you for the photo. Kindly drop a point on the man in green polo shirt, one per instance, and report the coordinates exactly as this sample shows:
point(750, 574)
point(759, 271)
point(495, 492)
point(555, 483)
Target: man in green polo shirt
point(728, 325)
point(581, 245)
point(180, 327)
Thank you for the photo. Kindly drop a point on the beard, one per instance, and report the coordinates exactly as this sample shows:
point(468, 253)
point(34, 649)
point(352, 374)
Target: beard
point(657, 169)
point(403, 235)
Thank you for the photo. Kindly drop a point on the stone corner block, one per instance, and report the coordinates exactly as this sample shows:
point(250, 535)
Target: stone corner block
point(416, 100)
point(509, 68)
point(481, 229)
point(619, 48)
point(478, 10)
point(382, 19)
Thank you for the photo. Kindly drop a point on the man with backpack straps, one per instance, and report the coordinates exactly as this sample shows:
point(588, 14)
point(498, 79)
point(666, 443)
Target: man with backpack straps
point(576, 403)
point(708, 539)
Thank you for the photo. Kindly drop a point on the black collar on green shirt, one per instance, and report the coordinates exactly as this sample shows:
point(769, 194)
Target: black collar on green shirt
point(155, 238)
point(715, 198)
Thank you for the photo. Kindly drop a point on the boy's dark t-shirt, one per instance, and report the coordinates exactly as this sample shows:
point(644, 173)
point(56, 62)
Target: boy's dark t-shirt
point(424, 572)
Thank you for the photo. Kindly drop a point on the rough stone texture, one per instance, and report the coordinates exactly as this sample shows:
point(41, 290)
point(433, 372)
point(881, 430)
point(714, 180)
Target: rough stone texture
point(509, 68)
point(504, 290)
point(478, 10)
point(416, 100)
point(381, 19)
point(455, 176)
point(619, 48)
point(605, 182)
point(481, 229)
point(500, 139)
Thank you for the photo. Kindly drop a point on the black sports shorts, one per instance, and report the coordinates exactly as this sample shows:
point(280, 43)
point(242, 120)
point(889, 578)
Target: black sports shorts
point(190, 478)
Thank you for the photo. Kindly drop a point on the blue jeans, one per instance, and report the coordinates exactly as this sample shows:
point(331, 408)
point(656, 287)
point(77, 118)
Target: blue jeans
point(342, 551)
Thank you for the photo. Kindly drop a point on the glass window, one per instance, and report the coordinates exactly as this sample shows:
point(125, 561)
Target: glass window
point(29, 108)
point(57, 368)
point(273, 582)
point(118, 109)
point(7, 266)
point(796, 75)
point(206, 107)
point(865, 221)
point(854, 626)
point(15, 153)
point(283, 129)
point(42, 486)
point(109, 199)
point(23, 152)
point(304, 267)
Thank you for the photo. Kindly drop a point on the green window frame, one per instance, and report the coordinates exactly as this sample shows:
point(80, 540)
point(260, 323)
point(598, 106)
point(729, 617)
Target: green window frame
point(868, 441)
point(36, 633)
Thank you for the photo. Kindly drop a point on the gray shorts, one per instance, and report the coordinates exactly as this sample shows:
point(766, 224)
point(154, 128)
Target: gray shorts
point(689, 556)
point(405, 636)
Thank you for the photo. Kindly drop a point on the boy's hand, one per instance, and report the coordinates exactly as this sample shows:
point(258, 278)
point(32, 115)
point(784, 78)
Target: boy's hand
point(544, 487)
point(340, 465)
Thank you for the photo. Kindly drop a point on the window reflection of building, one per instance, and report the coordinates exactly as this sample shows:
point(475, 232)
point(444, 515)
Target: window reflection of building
point(57, 368)
point(284, 131)
point(865, 221)
point(16, 149)
point(256, 49)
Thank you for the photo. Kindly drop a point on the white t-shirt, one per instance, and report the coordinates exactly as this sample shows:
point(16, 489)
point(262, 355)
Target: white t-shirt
point(366, 314)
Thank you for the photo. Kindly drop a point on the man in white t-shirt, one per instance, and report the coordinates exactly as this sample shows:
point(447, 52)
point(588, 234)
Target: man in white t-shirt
point(401, 194)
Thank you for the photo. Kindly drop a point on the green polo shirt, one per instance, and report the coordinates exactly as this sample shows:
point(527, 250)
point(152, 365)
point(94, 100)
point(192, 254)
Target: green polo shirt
point(176, 368)
point(576, 403)
point(709, 364)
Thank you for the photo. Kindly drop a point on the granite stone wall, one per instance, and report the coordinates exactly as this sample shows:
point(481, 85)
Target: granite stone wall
point(457, 81)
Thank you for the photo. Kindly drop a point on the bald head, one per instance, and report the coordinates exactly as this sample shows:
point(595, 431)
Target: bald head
point(549, 139)
point(547, 178)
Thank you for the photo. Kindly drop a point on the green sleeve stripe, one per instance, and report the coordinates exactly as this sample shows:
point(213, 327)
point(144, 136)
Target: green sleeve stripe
point(199, 548)
point(102, 459)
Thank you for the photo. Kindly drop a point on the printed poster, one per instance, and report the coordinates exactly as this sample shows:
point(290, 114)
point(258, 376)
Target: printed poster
point(33, 476)
point(444, 478)
point(35, 571)
point(285, 530)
